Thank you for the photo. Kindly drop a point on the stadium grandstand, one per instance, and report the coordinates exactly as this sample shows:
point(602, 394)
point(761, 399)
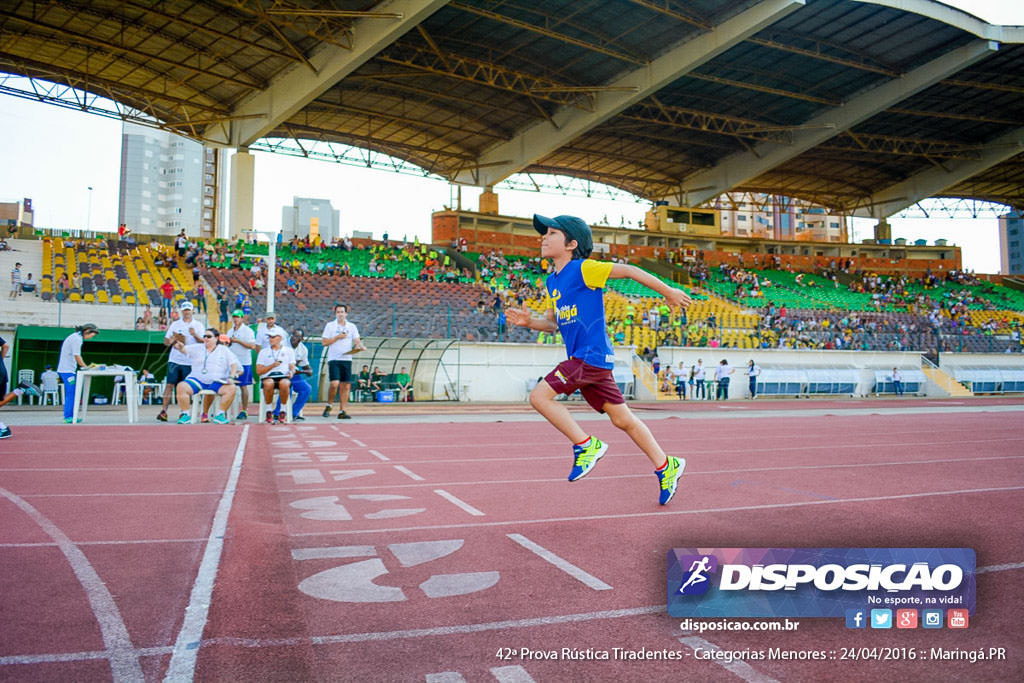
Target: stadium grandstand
point(819, 110)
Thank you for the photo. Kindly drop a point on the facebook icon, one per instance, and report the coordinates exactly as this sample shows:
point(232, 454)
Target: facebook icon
point(856, 618)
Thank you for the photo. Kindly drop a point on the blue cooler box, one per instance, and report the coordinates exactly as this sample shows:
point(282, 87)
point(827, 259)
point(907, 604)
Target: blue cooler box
point(385, 397)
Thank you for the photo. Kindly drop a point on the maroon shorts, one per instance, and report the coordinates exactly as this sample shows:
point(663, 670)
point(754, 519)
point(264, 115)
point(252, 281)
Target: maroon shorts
point(596, 384)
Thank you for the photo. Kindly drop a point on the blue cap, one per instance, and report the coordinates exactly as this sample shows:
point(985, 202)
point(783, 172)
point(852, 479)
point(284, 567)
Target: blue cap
point(573, 227)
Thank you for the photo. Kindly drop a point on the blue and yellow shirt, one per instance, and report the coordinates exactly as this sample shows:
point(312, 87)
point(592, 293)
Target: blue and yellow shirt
point(576, 296)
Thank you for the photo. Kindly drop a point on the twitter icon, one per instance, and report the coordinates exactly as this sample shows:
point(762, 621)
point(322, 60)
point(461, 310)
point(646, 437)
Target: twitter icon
point(881, 618)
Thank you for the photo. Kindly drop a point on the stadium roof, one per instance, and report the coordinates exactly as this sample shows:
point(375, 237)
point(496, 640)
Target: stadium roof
point(862, 106)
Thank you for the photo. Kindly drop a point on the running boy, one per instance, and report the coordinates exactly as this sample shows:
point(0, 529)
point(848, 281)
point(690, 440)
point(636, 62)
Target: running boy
point(576, 292)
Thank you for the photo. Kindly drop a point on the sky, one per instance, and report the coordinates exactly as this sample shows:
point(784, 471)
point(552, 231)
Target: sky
point(54, 156)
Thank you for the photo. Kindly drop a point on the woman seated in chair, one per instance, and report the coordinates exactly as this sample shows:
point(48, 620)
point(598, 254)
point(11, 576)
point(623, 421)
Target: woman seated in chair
point(213, 365)
point(275, 365)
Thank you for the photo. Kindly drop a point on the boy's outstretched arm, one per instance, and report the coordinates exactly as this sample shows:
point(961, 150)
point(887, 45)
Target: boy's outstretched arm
point(674, 297)
point(523, 317)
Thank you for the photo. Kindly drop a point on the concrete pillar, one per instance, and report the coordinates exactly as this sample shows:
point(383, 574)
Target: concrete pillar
point(243, 179)
point(883, 231)
point(489, 201)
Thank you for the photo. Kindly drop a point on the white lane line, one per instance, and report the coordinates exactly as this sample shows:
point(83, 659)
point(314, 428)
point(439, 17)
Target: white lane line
point(124, 662)
point(335, 552)
point(359, 443)
point(9, 660)
point(664, 513)
point(379, 455)
point(459, 503)
point(182, 666)
point(689, 472)
point(122, 495)
point(999, 568)
point(737, 667)
point(566, 566)
point(409, 473)
point(446, 677)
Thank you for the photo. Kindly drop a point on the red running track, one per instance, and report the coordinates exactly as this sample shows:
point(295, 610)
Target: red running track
point(417, 552)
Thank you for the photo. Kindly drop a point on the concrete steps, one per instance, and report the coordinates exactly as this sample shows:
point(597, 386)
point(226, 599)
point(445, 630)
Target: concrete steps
point(947, 383)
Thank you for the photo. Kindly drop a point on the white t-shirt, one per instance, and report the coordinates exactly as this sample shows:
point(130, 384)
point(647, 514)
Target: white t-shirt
point(71, 347)
point(753, 370)
point(301, 356)
point(698, 372)
point(182, 327)
point(263, 336)
point(242, 353)
point(679, 373)
point(722, 371)
point(897, 376)
point(268, 356)
point(210, 366)
point(339, 350)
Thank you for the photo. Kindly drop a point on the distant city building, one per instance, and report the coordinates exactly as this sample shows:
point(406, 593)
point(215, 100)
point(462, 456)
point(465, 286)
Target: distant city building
point(765, 216)
point(1011, 251)
point(168, 183)
point(307, 217)
point(16, 213)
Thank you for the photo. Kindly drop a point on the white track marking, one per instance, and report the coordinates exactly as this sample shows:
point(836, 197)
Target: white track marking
point(409, 473)
point(124, 661)
point(568, 567)
point(182, 666)
point(459, 503)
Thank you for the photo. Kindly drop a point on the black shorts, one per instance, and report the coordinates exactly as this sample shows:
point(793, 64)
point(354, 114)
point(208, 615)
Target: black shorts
point(275, 380)
point(339, 371)
point(177, 373)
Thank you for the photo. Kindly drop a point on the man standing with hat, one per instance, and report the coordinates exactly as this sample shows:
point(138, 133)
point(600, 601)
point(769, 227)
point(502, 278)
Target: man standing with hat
point(243, 342)
point(187, 330)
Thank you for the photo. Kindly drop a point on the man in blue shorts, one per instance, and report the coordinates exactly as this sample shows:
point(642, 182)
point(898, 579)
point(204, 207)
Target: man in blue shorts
point(243, 341)
point(576, 297)
point(211, 366)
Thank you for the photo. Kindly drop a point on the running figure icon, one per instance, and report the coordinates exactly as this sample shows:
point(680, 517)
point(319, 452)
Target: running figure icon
point(698, 570)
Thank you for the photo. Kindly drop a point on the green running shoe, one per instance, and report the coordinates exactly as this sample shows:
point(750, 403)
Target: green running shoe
point(669, 477)
point(586, 458)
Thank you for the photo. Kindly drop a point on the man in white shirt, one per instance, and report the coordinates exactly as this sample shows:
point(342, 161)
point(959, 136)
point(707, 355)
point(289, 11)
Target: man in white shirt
point(722, 373)
point(699, 372)
point(263, 332)
point(897, 381)
point(212, 365)
point(186, 330)
point(679, 375)
point(340, 338)
point(243, 342)
point(275, 365)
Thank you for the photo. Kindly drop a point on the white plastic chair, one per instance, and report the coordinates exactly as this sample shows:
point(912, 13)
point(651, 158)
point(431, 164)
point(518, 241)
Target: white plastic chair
point(197, 405)
point(26, 376)
point(54, 389)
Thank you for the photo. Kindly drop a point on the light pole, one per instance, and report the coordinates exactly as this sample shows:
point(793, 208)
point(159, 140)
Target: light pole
point(271, 263)
point(88, 215)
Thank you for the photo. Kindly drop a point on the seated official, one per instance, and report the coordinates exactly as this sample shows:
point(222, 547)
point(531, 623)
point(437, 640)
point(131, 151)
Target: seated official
point(364, 379)
point(404, 383)
point(212, 366)
point(275, 365)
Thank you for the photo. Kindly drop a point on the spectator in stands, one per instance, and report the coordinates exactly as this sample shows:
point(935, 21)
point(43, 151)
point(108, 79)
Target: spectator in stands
point(63, 287)
point(161, 320)
point(753, 372)
point(722, 373)
point(341, 339)
point(71, 362)
point(242, 344)
point(222, 307)
point(897, 381)
point(300, 386)
point(212, 366)
point(4, 347)
point(275, 365)
point(580, 282)
point(200, 297)
point(29, 285)
point(181, 244)
point(15, 281)
point(187, 330)
point(147, 318)
point(404, 383)
point(167, 295)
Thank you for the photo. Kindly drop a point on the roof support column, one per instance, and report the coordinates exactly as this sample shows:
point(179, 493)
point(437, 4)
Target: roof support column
point(242, 192)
